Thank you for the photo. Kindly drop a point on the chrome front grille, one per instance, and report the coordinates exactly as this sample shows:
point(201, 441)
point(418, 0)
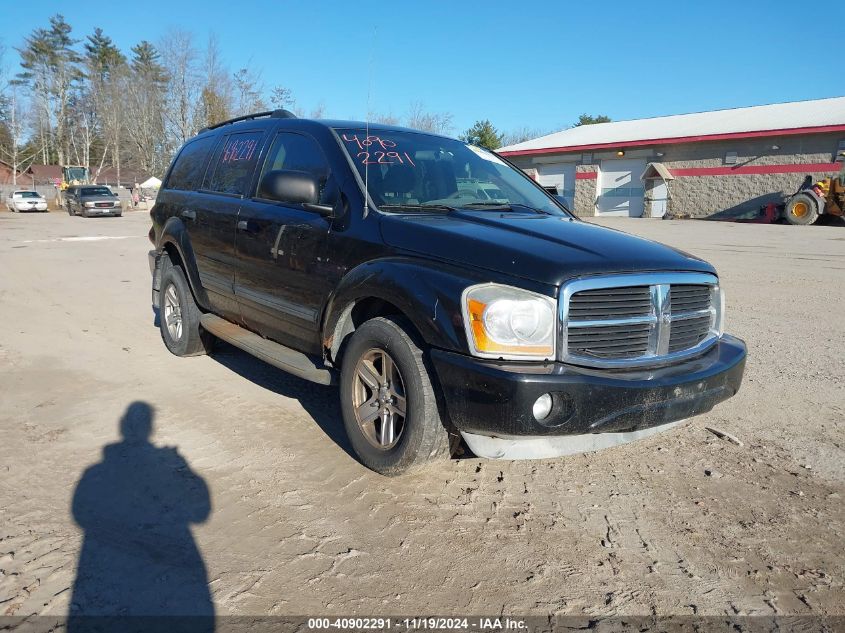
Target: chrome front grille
point(613, 302)
point(634, 320)
point(610, 341)
point(689, 297)
point(688, 333)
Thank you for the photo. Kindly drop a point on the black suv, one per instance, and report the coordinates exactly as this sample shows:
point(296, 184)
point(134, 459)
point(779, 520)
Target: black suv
point(348, 252)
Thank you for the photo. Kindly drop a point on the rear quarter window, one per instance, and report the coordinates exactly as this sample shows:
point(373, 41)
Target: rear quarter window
point(189, 168)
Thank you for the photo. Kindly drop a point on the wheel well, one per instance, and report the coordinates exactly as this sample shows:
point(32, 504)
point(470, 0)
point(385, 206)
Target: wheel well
point(352, 317)
point(173, 255)
point(175, 258)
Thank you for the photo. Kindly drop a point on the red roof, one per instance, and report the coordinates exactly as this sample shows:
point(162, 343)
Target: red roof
point(48, 174)
point(44, 174)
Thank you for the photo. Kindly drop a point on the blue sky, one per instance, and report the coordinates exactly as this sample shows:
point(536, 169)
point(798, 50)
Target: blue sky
point(535, 64)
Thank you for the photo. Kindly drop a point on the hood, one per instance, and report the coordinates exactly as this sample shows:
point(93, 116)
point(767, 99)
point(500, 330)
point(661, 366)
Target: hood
point(543, 248)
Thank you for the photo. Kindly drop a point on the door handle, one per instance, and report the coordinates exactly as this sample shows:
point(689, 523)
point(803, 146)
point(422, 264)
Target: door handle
point(188, 214)
point(247, 226)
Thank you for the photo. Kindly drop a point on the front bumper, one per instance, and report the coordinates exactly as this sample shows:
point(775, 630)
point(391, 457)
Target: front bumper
point(496, 398)
point(94, 211)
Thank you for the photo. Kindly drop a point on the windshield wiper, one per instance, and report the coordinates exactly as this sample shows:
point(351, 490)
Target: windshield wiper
point(502, 206)
point(433, 207)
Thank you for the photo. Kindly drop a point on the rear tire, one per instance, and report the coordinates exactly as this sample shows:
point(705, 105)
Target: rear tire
point(388, 401)
point(179, 316)
point(801, 210)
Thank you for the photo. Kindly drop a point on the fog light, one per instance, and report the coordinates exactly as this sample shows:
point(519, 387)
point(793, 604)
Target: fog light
point(542, 407)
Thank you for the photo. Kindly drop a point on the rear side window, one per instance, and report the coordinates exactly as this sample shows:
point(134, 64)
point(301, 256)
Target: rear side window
point(234, 164)
point(188, 170)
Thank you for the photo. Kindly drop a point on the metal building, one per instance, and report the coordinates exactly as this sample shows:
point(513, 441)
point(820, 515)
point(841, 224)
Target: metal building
point(720, 163)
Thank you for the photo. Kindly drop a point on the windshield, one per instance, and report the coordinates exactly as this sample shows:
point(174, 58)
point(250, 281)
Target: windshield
point(96, 191)
point(26, 194)
point(76, 174)
point(408, 170)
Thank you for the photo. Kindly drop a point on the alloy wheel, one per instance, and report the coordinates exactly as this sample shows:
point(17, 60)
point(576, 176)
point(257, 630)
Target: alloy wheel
point(173, 313)
point(378, 394)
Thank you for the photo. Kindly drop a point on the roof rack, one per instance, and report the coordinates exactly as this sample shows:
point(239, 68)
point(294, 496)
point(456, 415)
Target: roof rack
point(273, 114)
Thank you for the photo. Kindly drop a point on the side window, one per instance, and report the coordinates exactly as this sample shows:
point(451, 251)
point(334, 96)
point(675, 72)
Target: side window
point(234, 164)
point(298, 153)
point(188, 170)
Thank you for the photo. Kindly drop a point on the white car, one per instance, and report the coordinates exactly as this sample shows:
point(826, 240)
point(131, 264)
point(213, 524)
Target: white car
point(26, 201)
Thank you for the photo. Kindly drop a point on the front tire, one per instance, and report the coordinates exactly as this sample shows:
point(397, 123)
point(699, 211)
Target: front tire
point(801, 210)
point(387, 400)
point(179, 316)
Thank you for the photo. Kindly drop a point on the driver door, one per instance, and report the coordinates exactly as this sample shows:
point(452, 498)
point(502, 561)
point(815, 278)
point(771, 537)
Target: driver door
point(280, 247)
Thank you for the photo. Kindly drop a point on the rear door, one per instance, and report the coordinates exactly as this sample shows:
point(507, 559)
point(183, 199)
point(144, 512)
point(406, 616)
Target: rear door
point(214, 214)
point(280, 247)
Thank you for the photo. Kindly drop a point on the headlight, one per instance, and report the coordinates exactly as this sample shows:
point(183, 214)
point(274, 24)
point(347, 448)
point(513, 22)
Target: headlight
point(511, 323)
point(89, 204)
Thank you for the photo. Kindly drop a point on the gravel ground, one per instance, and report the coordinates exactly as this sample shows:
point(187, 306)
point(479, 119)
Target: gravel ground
point(270, 514)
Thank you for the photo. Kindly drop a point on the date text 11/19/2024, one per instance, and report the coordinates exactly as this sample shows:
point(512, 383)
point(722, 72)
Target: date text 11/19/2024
point(419, 624)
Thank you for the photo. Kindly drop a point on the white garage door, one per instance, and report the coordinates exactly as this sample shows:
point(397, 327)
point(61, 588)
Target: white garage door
point(621, 188)
point(561, 177)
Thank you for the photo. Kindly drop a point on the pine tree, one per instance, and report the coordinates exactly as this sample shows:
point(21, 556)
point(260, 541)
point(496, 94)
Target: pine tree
point(102, 56)
point(483, 134)
point(146, 63)
point(50, 68)
point(591, 119)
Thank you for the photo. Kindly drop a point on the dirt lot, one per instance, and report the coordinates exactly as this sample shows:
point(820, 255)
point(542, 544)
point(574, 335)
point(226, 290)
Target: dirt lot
point(681, 523)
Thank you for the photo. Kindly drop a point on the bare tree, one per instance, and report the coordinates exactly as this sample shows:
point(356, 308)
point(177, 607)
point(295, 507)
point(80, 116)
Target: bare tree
point(521, 134)
point(145, 97)
point(179, 58)
point(387, 119)
point(281, 97)
point(248, 91)
point(319, 112)
point(420, 119)
point(217, 101)
point(14, 122)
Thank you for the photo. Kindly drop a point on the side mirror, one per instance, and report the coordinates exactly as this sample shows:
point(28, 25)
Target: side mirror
point(294, 187)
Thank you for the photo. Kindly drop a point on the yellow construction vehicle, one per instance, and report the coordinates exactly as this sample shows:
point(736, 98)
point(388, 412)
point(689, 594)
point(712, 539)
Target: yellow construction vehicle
point(75, 175)
point(814, 199)
point(72, 175)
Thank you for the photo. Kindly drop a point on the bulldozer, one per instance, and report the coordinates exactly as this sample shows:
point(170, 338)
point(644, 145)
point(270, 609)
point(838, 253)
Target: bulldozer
point(814, 199)
point(72, 175)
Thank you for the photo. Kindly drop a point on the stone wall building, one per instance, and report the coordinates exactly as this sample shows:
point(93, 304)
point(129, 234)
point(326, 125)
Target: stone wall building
point(709, 164)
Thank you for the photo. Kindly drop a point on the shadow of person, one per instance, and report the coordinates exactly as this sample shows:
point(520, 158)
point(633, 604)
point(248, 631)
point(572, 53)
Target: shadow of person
point(139, 565)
